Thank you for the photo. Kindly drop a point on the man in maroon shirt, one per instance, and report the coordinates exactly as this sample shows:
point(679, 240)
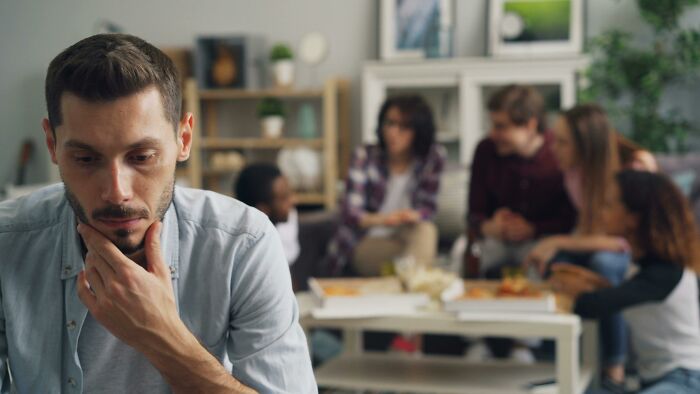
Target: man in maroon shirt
point(516, 193)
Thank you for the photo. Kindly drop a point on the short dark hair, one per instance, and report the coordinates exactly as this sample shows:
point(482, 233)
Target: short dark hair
point(254, 184)
point(105, 67)
point(417, 115)
point(521, 103)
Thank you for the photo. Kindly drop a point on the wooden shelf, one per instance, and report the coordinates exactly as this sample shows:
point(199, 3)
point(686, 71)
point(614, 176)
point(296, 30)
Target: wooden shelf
point(433, 375)
point(210, 136)
point(260, 143)
point(310, 198)
point(302, 198)
point(217, 172)
point(237, 94)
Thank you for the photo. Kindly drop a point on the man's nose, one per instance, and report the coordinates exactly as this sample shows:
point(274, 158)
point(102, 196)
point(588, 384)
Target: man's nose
point(117, 187)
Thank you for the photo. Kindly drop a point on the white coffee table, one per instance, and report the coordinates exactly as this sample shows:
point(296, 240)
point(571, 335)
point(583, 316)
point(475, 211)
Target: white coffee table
point(359, 370)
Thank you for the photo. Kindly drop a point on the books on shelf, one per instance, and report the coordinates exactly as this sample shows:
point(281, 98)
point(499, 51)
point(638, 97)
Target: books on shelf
point(498, 297)
point(363, 297)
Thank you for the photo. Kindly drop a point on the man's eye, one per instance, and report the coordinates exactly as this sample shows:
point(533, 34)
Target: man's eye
point(85, 160)
point(142, 158)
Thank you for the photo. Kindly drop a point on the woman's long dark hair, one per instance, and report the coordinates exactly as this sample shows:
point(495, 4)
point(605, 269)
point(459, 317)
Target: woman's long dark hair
point(418, 116)
point(666, 228)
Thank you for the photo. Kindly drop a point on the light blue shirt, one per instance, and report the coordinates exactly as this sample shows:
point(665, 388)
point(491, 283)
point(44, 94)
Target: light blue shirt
point(230, 278)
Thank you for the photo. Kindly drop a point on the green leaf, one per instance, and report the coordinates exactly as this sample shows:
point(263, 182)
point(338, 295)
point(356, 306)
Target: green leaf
point(270, 106)
point(281, 52)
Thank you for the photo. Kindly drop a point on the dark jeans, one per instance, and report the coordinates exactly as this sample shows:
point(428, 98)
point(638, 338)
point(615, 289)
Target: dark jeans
point(612, 266)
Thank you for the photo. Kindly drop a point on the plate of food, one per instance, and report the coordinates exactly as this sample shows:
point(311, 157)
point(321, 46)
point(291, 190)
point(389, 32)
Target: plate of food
point(514, 293)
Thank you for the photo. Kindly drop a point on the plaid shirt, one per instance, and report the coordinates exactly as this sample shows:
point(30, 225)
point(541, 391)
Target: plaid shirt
point(365, 190)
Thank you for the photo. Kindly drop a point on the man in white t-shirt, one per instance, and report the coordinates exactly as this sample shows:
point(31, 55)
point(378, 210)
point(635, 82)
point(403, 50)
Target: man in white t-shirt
point(263, 186)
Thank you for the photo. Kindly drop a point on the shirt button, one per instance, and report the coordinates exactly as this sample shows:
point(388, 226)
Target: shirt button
point(172, 270)
point(72, 382)
point(71, 325)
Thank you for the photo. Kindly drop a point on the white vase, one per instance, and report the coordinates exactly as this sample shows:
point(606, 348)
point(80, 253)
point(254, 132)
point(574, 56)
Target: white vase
point(272, 126)
point(283, 73)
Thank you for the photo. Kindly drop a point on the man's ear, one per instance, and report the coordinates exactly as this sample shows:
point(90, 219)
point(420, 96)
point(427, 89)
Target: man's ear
point(184, 137)
point(50, 138)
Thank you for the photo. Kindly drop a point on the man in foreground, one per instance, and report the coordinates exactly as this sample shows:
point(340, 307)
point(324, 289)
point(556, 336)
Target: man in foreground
point(116, 280)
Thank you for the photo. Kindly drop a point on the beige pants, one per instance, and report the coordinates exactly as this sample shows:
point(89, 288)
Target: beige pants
point(418, 240)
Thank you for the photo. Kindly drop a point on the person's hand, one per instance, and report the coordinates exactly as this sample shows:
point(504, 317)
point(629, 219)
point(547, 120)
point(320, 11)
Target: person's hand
point(392, 219)
point(611, 244)
point(572, 280)
point(400, 217)
point(517, 229)
point(409, 216)
point(494, 227)
point(136, 305)
point(542, 253)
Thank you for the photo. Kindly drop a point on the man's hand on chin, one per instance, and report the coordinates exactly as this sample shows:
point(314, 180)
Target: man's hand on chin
point(136, 305)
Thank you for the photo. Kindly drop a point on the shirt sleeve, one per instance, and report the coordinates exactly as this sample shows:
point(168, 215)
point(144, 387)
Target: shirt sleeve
point(267, 346)
point(353, 203)
point(5, 382)
point(651, 284)
point(479, 208)
point(429, 183)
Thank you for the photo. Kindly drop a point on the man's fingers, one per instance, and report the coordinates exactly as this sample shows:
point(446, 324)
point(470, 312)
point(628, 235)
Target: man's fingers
point(96, 262)
point(154, 256)
point(84, 292)
point(96, 281)
point(101, 245)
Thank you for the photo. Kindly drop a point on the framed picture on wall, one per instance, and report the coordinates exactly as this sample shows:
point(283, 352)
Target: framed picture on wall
point(220, 62)
point(535, 27)
point(235, 61)
point(408, 27)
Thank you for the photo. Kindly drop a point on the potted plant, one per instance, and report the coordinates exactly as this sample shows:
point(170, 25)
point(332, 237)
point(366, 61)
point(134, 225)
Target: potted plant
point(271, 114)
point(631, 79)
point(281, 57)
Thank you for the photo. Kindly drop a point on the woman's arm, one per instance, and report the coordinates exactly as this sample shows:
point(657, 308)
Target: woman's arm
point(353, 202)
point(547, 248)
point(589, 243)
point(651, 284)
point(425, 199)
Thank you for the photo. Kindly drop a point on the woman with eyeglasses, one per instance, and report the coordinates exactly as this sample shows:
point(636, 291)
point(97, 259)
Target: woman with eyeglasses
point(390, 193)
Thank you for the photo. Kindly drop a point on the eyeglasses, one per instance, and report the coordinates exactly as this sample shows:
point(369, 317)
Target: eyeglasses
point(393, 123)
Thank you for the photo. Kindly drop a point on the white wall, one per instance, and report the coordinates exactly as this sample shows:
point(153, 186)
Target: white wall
point(32, 32)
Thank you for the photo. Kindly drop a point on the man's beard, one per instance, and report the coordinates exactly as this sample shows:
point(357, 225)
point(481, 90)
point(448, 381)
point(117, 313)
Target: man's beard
point(121, 212)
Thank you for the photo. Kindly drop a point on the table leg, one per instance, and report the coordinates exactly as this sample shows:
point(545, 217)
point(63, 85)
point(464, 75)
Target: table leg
point(591, 347)
point(352, 342)
point(567, 364)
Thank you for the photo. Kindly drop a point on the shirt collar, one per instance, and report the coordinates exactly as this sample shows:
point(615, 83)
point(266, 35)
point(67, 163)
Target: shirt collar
point(72, 258)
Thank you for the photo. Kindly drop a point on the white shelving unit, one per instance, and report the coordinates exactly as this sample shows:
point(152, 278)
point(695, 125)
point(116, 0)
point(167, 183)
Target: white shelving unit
point(462, 80)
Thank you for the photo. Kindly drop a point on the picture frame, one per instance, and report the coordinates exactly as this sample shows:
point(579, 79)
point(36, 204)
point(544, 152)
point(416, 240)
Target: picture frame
point(405, 25)
point(535, 27)
point(229, 62)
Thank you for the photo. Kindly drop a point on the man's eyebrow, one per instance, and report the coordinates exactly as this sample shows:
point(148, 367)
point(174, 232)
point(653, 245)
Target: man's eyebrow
point(78, 145)
point(148, 142)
